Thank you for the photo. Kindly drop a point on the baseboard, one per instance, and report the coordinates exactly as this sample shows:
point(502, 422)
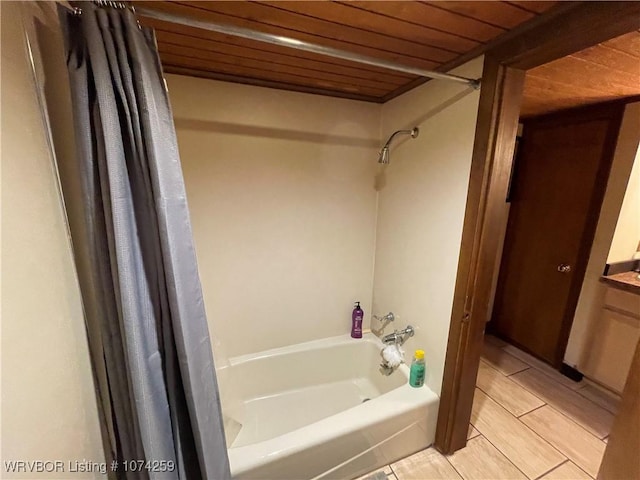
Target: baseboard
point(608, 391)
point(572, 373)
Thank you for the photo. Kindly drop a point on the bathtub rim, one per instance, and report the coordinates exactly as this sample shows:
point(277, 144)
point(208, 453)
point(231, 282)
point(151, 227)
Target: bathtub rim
point(318, 344)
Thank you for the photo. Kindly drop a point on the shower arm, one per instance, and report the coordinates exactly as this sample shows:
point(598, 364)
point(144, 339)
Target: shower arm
point(383, 156)
point(413, 132)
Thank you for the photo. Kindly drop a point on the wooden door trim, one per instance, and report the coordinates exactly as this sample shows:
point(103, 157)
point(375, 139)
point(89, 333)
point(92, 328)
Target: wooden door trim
point(490, 170)
point(584, 25)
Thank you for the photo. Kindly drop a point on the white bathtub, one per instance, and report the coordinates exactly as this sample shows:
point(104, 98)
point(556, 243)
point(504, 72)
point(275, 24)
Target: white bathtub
point(321, 409)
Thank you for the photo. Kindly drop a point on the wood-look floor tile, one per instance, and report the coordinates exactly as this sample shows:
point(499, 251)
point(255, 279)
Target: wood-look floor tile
point(542, 366)
point(378, 474)
point(428, 464)
point(583, 411)
point(566, 471)
point(583, 448)
point(501, 360)
point(608, 401)
point(472, 432)
point(505, 391)
point(524, 448)
point(480, 460)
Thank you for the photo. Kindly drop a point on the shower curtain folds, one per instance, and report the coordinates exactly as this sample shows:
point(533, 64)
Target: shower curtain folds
point(146, 322)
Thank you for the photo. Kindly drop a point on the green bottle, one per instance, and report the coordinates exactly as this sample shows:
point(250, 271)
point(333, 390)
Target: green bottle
point(416, 375)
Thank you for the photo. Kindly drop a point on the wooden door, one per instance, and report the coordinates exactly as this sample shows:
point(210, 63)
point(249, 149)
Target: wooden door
point(558, 184)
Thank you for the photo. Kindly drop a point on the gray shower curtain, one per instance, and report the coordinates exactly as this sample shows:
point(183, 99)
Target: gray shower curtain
point(146, 321)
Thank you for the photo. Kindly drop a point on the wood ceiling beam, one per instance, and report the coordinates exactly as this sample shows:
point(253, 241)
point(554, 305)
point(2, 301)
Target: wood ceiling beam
point(584, 25)
point(557, 11)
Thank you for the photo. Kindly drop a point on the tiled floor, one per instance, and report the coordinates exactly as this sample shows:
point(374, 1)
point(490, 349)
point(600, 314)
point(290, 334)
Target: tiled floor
point(528, 422)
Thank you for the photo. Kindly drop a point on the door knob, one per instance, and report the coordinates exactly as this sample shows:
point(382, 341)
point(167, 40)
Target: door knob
point(564, 268)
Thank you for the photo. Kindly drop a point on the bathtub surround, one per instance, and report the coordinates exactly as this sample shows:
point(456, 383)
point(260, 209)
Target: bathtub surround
point(421, 207)
point(290, 209)
point(280, 189)
point(292, 214)
point(144, 307)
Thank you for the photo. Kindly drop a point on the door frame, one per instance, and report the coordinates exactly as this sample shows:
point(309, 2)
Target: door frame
point(565, 29)
point(613, 111)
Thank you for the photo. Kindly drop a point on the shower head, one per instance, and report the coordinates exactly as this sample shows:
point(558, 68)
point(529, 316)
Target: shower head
point(384, 156)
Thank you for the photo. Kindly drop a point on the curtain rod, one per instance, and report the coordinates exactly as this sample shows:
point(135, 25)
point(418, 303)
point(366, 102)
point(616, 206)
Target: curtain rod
point(301, 45)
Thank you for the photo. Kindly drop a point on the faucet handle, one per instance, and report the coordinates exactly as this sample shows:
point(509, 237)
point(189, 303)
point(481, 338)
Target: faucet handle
point(389, 317)
point(398, 337)
point(384, 321)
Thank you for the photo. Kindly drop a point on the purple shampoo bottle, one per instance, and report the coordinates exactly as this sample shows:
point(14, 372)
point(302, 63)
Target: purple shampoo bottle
point(356, 321)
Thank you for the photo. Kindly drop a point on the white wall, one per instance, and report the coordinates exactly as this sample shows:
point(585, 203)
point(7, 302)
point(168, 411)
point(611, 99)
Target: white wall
point(626, 238)
point(421, 208)
point(48, 402)
point(607, 245)
point(282, 201)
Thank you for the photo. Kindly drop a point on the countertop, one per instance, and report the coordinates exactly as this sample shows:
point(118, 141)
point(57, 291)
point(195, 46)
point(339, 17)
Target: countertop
point(627, 281)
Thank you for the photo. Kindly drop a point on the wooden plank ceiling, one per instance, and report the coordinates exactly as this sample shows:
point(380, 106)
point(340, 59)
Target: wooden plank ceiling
point(429, 35)
point(603, 72)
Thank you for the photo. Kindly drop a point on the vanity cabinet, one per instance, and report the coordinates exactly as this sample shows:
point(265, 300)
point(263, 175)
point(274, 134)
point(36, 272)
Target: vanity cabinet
point(614, 339)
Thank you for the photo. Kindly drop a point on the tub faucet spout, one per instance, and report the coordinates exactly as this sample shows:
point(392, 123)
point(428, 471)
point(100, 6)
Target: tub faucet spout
point(398, 337)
